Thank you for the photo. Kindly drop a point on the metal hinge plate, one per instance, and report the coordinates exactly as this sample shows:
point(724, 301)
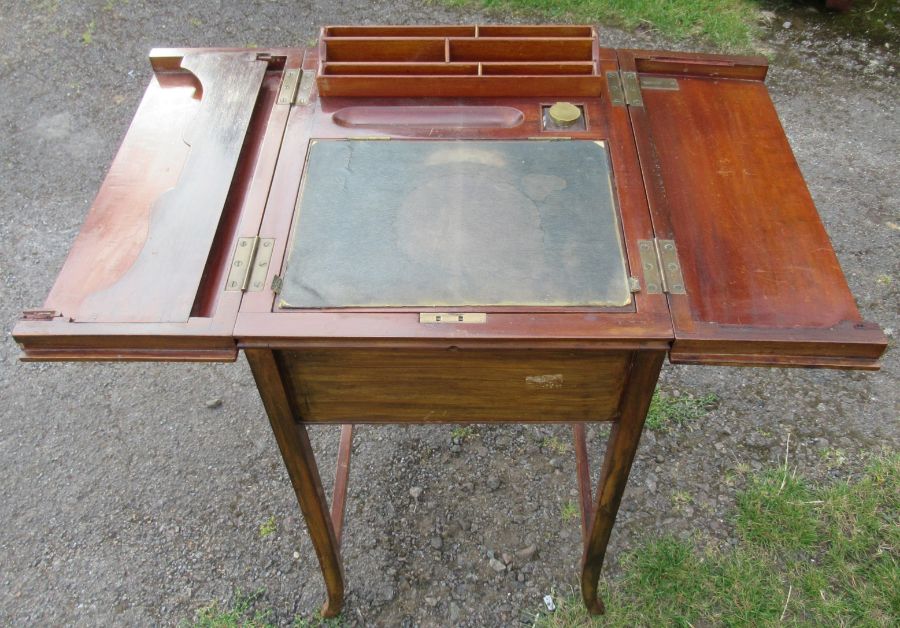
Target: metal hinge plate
point(673, 280)
point(250, 264)
point(304, 92)
point(625, 87)
point(660, 265)
point(632, 89)
point(288, 90)
point(616, 95)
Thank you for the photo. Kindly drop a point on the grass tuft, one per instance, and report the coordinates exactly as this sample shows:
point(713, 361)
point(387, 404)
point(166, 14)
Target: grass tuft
point(462, 433)
point(668, 412)
point(807, 555)
point(570, 511)
point(241, 614)
point(268, 527)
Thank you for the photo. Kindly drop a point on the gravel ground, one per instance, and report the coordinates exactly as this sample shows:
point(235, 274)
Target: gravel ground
point(125, 499)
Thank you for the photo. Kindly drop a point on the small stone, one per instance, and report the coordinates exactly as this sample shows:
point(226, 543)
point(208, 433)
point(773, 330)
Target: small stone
point(496, 565)
point(296, 555)
point(415, 492)
point(822, 443)
point(431, 601)
point(493, 483)
point(454, 448)
point(507, 559)
point(526, 553)
point(437, 542)
point(520, 577)
point(214, 403)
point(660, 458)
point(454, 613)
point(786, 25)
point(556, 463)
point(651, 482)
point(386, 593)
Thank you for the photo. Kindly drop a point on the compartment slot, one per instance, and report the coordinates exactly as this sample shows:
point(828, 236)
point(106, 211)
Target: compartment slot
point(378, 49)
point(374, 69)
point(521, 49)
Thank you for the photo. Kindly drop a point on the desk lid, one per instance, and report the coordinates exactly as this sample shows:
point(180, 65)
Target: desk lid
point(762, 284)
point(144, 277)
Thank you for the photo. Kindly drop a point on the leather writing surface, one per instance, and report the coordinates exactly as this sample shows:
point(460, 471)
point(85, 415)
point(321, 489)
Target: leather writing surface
point(456, 223)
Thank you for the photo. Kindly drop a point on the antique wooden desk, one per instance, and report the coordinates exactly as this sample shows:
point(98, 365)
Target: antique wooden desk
point(454, 224)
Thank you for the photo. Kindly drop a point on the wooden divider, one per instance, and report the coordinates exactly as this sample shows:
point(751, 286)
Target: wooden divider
point(402, 61)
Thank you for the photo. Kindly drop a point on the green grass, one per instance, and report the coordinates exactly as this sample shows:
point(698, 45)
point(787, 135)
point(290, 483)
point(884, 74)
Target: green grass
point(462, 432)
point(268, 527)
point(245, 612)
point(729, 24)
point(569, 511)
point(668, 412)
point(241, 614)
point(552, 443)
point(807, 555)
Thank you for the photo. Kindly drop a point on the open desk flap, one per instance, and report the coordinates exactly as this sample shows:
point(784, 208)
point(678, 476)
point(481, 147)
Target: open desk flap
point(144, 278)
point(760, 283)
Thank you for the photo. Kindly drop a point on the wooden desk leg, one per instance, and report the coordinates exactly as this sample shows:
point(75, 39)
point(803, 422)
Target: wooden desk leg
point(341, 475)
point(583, 469)
point(293, 441)
point(620, 450)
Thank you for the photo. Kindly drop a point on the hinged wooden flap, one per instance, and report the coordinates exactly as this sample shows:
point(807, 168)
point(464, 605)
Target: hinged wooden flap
point(145, 277)
point(763, 285)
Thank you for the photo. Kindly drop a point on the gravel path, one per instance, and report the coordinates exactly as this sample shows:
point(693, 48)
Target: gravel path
point(127, 499)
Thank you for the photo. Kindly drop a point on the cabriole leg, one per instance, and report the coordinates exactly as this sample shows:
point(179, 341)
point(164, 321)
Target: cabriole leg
point(620, 450)
point(293, 441)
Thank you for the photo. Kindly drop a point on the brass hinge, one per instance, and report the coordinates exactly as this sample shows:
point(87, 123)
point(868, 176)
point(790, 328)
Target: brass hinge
point(287, 93)
point(277, 283)
point(632, 89)
point(616, 94)
point(625, 87)
point(660, 265)
point(250, 264)
point(304, 92)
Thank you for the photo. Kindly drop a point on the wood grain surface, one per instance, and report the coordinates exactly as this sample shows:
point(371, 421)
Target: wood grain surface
point(453, 386)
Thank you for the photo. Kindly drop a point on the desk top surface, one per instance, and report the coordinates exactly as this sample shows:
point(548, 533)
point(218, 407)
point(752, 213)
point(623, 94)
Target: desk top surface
point(678, 164)
point(438, 223)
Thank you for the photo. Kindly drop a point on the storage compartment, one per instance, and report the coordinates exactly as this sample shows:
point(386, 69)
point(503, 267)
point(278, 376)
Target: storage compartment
point(478, 60)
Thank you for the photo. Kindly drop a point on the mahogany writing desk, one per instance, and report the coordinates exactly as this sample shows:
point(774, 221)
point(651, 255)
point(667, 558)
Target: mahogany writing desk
point(454, 224)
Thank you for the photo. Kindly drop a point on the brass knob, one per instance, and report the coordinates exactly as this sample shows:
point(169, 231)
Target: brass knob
point(564, 113)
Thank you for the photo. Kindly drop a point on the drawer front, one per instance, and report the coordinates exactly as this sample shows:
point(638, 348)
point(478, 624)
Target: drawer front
point(445, 386)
